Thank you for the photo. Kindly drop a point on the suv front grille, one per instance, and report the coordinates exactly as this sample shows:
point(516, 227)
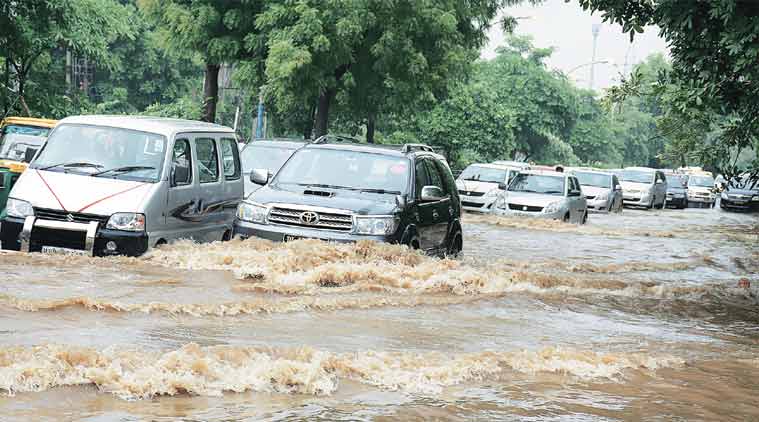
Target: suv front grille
point(469, 193)
point(60, 215)
point(528, 208)
point(323, 220)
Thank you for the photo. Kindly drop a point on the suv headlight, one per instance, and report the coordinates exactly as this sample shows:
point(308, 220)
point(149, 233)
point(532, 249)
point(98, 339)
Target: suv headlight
point(127, 221)
point(18, 208)
point(375, 225)
point(553, 207)
point(252, 213)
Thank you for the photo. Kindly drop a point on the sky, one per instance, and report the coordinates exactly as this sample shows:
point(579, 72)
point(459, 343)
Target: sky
point(568, 28)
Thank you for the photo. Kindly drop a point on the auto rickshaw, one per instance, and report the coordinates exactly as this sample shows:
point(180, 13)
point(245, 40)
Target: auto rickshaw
point(20, 138)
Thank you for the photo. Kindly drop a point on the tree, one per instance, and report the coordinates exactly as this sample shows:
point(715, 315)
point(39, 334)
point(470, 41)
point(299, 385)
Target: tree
point(32, 28)
point(375, 56)
point(714, 46)
point(219, 31)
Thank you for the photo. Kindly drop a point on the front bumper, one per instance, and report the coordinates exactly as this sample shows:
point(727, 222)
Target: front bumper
point(31, 234)
point(558, 215)
point(277, 233)
point(701, 199)
point(480, 204)
point(602, 205)
point(676, 201)
point(728, 204)
point(637, 200)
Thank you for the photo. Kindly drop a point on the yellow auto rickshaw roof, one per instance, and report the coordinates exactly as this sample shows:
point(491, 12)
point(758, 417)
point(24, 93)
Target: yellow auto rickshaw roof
point(14, 166)
point(28, 121)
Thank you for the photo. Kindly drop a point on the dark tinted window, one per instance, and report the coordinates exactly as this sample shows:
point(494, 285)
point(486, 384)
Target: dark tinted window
point(434, 174)
point(422, 178)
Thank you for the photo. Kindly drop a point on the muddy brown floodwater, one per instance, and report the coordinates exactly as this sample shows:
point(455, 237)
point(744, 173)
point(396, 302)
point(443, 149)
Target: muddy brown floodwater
point(634, 316)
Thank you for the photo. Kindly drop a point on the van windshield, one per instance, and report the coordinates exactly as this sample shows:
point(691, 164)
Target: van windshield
point(264, 157)
point(484, 174)
point(103, 151)
point(637, 176)
point(352, 170)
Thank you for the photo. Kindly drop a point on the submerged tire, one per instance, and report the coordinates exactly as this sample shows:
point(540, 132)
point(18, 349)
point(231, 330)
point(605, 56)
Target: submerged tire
point(584, 218)
point(456, 245)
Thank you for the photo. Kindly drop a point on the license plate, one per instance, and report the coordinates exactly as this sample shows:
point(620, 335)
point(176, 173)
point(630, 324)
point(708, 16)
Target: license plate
point(290, 238)
point(55, 250)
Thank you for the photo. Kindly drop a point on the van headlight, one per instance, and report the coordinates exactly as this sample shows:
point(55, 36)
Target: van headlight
point(252, 213)
point(375, 225)
point(553, 207)
point(127, 221)
point(18, 208)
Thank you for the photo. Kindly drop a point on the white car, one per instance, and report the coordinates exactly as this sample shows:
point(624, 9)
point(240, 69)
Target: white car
point(480, 184)
point(701, 190)
point(602, 190)
point(644, 187)
point(544, 194)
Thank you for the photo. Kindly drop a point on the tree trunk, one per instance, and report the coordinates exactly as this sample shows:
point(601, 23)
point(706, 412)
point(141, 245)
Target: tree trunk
point(21, 86)
point(370, 129)
point(322, 112)
point(308, 128)
point(210, 93)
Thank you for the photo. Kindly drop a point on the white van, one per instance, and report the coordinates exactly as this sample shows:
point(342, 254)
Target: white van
point(119, 185)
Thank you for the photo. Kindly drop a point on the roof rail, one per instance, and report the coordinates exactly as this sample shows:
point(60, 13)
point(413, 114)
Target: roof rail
point(327, 138)
point(419, 147)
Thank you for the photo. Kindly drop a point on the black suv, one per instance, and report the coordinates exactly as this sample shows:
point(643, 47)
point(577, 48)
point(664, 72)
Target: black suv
point(344, 192)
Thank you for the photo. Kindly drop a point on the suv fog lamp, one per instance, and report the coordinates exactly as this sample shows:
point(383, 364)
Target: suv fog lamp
point(252, 213)
point(111, 246)
point(375, 225)
point(18, 208)
point(127, 221)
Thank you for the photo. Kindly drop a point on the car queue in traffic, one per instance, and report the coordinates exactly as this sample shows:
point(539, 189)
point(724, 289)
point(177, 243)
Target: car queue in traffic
point(121, 185)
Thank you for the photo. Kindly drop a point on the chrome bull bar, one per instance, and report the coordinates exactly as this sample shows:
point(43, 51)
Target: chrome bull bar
point(90, 229)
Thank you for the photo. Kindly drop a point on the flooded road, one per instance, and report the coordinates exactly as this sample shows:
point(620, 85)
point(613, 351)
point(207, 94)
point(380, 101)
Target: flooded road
point(633, 316)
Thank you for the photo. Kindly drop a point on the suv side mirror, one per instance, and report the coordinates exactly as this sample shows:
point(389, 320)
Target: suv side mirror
point(259, 176)
point(503, 186)
point(431, 194)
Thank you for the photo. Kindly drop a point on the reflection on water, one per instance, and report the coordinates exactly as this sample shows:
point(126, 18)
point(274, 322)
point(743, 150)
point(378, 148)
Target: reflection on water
point(634, 316)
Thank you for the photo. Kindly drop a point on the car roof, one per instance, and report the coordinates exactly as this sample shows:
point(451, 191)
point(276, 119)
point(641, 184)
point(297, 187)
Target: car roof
point(649, 169)
point(288, 143)
point(494, 166)
point(546, 173)
point(159, 125)
point(606, 173)
point(391, 150)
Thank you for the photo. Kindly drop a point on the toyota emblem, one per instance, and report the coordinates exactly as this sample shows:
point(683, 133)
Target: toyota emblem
point(309, 217)
point(69, 218)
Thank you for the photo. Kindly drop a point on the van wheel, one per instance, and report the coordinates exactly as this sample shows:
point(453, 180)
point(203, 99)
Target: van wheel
point(456, 245)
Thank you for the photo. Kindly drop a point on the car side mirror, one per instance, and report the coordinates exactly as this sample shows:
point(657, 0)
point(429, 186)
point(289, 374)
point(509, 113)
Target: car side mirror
point(618, 187)
point(431, 194)
point(503, 186)
point(574, 193)
point(259, 176)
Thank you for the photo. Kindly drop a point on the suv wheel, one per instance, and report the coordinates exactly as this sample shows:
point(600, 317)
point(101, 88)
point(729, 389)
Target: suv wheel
point(456, 245)
point(413, 243)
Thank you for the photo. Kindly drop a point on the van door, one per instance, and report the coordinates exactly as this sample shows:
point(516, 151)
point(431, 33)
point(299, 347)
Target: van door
point(233, 180)
point(210, 197)
point(423, 214)
point(441, 213)
point(182, 197)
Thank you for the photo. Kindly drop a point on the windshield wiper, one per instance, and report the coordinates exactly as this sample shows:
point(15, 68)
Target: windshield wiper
point(318, 185)
point(551, 192)
point(380, 191)
point(83, 164)
point(125, 169)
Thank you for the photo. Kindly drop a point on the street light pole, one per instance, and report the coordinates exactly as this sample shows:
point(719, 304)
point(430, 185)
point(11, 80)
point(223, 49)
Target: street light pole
point(596, 28)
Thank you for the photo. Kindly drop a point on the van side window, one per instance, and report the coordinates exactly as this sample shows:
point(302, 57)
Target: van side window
point(422, 179)
point(208, 160)
point(230, 158)
point(181, 162)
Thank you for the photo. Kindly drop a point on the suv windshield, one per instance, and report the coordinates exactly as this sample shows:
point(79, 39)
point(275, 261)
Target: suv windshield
point(637, 176)
point(113, 152)
point(702, 181)
point(264, 157)
point(594, 179)
point(484, 174)
point(342, 169)
point(536, 183)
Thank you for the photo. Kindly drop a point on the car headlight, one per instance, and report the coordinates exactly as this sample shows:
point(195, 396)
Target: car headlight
point(724, 195)
point(375, 225)
point(127, 221)
point(602, 197)
point(492, 193)
point(18, 208)
point(645, 193)
point(755, 198)
point(500, 202)
point(553, 207)
point(252, 213)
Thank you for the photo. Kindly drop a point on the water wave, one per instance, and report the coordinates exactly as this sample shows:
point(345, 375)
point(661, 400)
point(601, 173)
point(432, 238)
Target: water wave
point(210, 371)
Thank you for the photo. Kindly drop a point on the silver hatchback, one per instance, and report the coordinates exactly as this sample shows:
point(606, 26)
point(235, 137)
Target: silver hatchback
point(544, 194)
